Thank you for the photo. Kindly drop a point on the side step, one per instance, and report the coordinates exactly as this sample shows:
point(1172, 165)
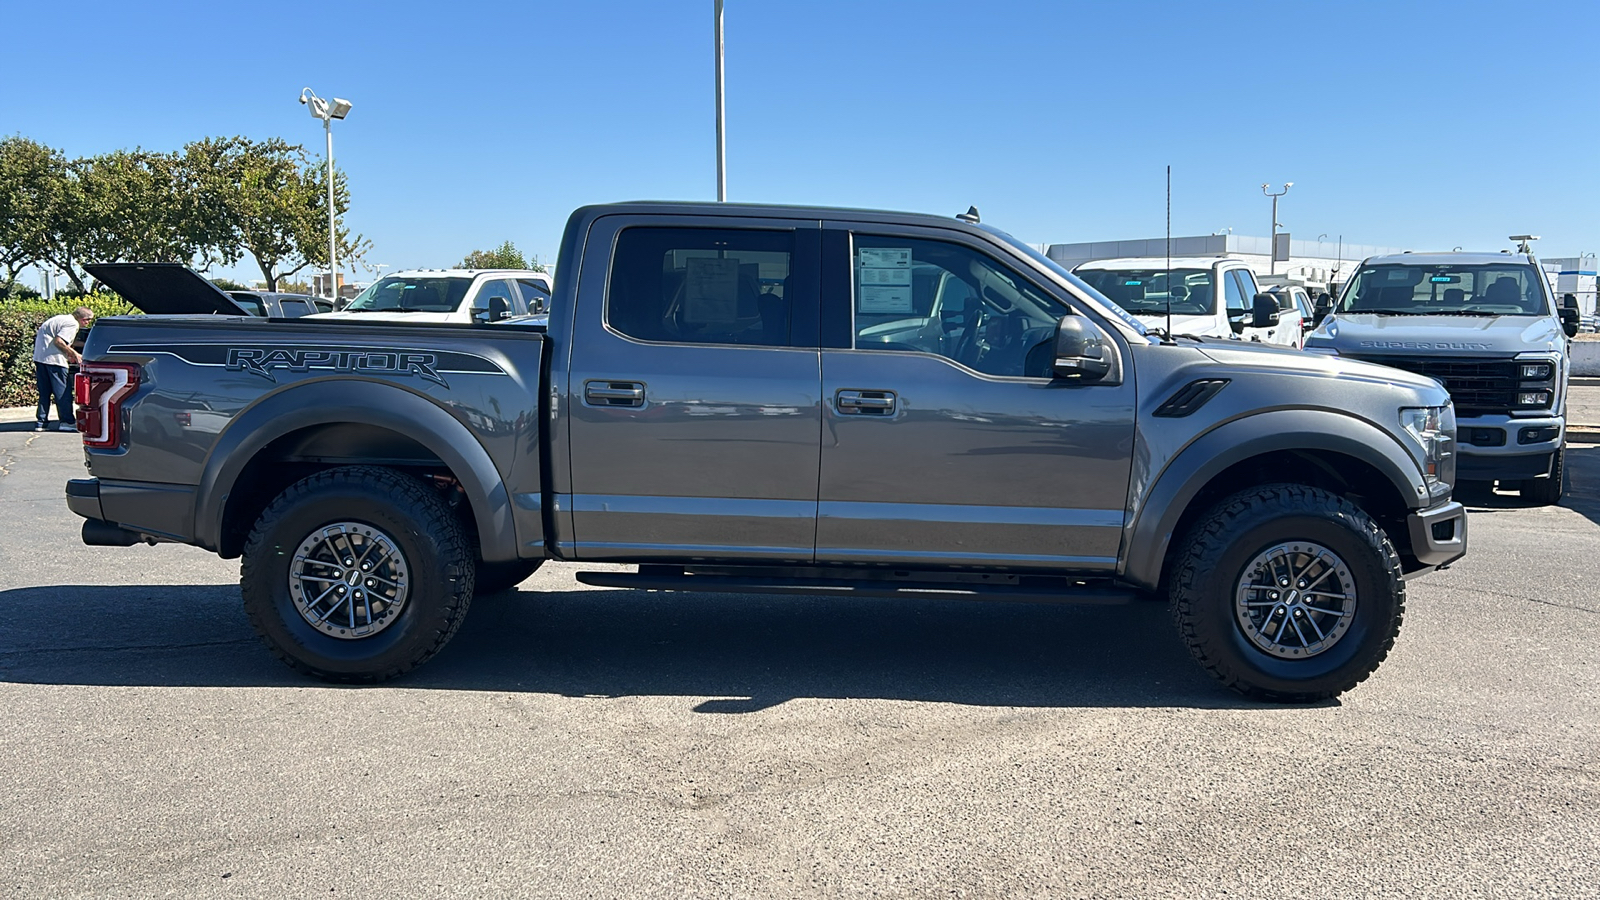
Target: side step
point(1051, 590)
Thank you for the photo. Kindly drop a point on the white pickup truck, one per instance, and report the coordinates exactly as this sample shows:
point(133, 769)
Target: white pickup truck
point(460, 296)
point(1210, 296)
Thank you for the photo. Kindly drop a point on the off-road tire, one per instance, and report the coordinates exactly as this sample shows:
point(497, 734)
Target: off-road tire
point(495, 578)
point(1212, 558)
point(438, 552)
point(1546, 491)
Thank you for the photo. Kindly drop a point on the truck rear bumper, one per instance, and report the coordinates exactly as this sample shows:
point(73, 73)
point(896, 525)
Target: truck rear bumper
point(146, 511)
point(1438, 535)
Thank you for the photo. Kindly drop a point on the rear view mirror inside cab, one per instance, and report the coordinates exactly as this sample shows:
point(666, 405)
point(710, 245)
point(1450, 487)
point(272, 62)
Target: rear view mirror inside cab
point(1445, 279)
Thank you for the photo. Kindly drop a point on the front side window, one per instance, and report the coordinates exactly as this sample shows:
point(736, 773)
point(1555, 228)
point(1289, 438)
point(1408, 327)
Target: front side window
point(535, 294)
point(701, 286)
point(950, 300)
point(1241, 290)
point(251, 303)
point(1146, 292)
point(1508, 289)
point(412, 294)
point(496, 290)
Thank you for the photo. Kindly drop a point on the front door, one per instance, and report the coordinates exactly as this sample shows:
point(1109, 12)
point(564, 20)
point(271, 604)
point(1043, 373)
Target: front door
point(694, 396)
point(946, 442)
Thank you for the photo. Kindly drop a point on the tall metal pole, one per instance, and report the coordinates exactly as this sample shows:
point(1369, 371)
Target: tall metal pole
point(722, 147)
point(1272, 244)
point(333, 232)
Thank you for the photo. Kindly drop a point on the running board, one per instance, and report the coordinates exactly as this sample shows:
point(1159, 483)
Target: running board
point(933, 590)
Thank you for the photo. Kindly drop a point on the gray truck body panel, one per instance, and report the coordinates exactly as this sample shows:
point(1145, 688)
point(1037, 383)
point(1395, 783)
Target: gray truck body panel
point(741, 454)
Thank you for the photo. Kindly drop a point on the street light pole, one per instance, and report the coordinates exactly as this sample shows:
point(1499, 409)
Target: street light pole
point(333, 232)
point(1272, 241)
point(327, 111)
point(722, 147)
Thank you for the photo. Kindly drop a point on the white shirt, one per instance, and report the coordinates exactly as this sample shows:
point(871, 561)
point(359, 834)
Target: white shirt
point(44, 346)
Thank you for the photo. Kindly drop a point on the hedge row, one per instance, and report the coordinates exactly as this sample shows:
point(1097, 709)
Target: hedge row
point(20, 321)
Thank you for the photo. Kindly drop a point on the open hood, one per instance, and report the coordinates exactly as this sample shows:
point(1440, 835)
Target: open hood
point(165, 289)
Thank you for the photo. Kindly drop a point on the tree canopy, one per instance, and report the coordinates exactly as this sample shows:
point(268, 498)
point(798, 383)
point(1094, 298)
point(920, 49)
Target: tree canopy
point(505, 256)
point(218, 200)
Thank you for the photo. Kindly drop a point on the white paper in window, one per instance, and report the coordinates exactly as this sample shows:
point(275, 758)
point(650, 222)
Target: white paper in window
point(885, 298)
point(711, 290)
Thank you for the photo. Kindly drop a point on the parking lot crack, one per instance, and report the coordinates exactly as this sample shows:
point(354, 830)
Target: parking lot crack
point(142, 648)
point(1511, 596)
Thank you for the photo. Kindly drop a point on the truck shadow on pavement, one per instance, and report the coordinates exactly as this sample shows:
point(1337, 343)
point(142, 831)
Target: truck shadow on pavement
point(1581, 494)
point(744, 653)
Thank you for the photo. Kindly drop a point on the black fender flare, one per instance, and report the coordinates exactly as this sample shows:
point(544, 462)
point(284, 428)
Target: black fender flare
point(1150, 531)
point(308, 404)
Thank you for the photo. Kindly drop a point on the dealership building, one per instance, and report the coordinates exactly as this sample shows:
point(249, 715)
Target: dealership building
point(1315, 264)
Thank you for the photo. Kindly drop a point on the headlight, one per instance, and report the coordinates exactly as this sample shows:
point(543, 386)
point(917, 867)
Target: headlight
point(1533, 399)
point(1536, 371)
point(1434, 430)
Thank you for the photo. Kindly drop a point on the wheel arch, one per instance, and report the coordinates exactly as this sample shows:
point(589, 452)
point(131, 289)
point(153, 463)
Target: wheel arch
point(1332, 450)
point(362, 419)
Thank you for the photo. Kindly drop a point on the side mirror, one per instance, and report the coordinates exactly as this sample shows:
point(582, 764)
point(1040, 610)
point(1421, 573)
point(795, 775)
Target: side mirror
point(499, 308)
point(1264, 311)
point(1322, 309)
point(1569, 320)
point(1080, 350)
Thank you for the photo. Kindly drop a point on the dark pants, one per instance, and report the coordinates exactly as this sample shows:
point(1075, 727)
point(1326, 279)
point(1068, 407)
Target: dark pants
point(53, 380)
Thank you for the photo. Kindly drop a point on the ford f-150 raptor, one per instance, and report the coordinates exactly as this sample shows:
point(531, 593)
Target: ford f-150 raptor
point(773, 399)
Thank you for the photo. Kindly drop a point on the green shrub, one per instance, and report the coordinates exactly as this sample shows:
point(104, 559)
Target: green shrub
point(20, 321)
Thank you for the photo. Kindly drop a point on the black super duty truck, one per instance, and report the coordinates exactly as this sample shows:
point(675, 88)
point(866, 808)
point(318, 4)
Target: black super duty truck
point(773, 399)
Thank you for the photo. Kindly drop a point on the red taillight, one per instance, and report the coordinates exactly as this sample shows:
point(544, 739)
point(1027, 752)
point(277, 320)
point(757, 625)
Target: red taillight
point(99, 389)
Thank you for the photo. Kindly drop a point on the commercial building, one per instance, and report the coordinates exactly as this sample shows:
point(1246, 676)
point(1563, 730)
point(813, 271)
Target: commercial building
point(1314, 264)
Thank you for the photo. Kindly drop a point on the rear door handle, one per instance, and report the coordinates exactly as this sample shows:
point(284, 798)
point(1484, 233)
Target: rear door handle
point(865, 403)
point(613, 393)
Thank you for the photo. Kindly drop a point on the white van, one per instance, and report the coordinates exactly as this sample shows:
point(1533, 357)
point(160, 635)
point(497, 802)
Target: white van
point(1210, 296)
point(458, 296)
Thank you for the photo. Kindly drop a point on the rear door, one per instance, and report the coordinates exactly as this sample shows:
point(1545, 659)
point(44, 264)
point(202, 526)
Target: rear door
point(946, 441)
point(694, 395)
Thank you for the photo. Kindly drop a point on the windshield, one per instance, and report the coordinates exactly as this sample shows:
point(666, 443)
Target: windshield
point(1099, 299)
point(412, 293)
point(1500, 289)
point(1144, 291)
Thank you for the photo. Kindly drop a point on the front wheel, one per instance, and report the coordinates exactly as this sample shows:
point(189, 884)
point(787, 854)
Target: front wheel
point(1289, 593)
point(357, 574)
point(1546, 491)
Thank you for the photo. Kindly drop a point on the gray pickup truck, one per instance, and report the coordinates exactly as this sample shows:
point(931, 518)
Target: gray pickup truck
point(774, 399)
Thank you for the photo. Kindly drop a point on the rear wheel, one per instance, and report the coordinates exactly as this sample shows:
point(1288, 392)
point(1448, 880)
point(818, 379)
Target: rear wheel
point(1546, 491)
point(1286, 592)
point(357, 574)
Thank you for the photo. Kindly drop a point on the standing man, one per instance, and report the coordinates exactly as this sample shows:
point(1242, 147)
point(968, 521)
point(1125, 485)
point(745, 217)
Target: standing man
point(52, 353)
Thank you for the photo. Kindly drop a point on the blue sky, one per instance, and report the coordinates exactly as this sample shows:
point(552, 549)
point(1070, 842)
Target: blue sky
point(1411, 124)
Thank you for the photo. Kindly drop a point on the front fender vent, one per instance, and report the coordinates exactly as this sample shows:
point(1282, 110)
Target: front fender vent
point(1190, 397)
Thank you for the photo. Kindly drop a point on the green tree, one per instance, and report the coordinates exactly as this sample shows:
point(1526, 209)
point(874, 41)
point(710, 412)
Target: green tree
point(505, 256)
point(267, 200)
point(31, 174)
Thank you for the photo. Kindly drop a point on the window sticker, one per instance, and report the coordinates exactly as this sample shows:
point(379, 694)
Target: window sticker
point(884, 280)
point(711, 290)
point(885, 298)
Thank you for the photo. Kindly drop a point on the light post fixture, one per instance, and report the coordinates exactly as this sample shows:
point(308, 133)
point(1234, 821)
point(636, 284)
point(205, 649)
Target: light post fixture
point(327, 111)
point(1272, 242)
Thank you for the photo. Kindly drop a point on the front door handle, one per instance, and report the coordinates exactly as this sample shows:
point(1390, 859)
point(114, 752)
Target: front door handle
point(865, 403)
point(613, 393)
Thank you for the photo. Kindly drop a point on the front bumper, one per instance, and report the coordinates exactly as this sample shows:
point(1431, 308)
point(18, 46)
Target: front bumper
point(1438, 535)
point(1506, 448)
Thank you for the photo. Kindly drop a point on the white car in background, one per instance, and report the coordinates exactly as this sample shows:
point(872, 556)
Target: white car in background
point(1296, 313)
point(444, 296)
point(1210, 296)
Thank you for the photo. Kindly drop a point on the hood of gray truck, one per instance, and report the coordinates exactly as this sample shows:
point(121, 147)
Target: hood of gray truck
point(1504, 336)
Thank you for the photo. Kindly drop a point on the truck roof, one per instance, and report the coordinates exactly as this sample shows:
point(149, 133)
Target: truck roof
point(770, 210)
point(1455, 258)
point(1157, 262)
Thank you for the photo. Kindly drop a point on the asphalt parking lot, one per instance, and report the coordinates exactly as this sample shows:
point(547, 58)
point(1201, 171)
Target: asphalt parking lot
point(583, 742)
